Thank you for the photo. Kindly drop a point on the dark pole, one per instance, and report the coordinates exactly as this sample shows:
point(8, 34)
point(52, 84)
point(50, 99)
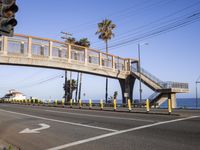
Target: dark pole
point(77, 86)
point(65, 86)
point(139, 62)
point(106, 96)
point(70, 85)
point(80, 84)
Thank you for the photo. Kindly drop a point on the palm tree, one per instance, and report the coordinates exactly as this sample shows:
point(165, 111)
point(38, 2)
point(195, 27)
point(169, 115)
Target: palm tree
point(84, 42)
point(71, 40)
point(70, 88)
point(105, 33)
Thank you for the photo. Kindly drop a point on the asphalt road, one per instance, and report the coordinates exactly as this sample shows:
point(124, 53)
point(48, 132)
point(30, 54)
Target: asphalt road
point(74, 129)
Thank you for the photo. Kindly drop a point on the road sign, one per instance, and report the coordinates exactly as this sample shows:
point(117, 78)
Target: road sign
point(126, 94)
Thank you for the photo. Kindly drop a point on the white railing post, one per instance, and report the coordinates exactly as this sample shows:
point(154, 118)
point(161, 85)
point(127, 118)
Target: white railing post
point(29, 47)
point(100, 59)
point(69, 53)
point(126, 61)
point(86, 56)
point(113, 62)
point(50, 49)
point(5, 45)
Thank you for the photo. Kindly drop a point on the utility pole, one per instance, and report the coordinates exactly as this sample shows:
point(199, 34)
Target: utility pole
point(80, 84)
point(76, 96)
point(65, 86)
point(66, 34)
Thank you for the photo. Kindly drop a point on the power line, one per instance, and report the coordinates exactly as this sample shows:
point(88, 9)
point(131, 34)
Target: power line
point(157, 21)
point(162, 29)
point(41, 82)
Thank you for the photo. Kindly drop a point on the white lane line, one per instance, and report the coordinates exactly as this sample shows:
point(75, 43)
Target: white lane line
point(60, 121)
point(99, 116)
point(117, 133)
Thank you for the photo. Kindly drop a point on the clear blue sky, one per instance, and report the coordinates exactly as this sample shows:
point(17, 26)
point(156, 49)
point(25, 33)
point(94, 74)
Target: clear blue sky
point(171, 56)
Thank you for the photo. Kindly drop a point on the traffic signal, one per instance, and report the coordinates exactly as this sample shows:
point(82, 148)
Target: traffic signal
point(8, 8)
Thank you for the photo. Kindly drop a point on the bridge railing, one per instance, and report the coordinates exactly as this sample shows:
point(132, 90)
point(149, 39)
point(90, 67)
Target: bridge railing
point(163, 84)
point(30, 46)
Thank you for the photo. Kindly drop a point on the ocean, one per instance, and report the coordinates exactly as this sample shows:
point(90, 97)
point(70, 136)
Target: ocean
point(189, 103)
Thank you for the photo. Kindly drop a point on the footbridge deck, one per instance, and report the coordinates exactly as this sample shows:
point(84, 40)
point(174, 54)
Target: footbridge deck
point(41, 52)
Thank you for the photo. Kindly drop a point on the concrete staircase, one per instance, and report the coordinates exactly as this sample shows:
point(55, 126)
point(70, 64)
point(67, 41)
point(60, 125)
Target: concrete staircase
point(163, 90)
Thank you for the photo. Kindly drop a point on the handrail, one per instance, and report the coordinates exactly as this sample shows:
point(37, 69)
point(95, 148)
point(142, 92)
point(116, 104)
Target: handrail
point(164, 85)
point(148, 75)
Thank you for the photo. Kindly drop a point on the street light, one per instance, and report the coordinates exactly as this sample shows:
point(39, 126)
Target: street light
point(139, 66)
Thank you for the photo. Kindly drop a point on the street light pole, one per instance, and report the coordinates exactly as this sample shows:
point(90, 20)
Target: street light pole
point(139, 65)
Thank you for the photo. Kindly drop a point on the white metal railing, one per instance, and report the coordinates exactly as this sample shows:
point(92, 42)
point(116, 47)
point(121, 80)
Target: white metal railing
point(29, 46)
point(163, 84)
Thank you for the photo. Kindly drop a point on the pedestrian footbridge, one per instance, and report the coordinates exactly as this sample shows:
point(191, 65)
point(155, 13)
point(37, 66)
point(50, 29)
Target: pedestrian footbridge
point(33, 51)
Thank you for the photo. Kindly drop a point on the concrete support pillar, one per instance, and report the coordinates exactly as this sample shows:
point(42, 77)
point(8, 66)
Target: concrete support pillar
point(127, 87)
point(172, 96)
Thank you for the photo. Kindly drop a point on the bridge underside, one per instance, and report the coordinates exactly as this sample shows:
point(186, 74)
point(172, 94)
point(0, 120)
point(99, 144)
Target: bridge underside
point(63, 65)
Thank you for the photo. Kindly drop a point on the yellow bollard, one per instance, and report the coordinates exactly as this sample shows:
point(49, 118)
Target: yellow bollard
point(63, 102)
point(129, 105)
point(90, 104)
point(80, 103)
point(33, 101)
point(70, 103)
point(115, 104)
point(147, 105)
point(56, 102)
point(169, 106)
point(101, 104)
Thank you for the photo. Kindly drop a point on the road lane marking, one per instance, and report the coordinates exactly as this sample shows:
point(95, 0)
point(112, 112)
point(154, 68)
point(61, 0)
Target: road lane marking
point(60, 121)
point(99, 116)
point(117, 133)
point(37, 130)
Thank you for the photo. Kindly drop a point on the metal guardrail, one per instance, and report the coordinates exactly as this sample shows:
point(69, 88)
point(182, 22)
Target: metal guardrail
point(153, 96)
point(148, 75)
point(171, 84)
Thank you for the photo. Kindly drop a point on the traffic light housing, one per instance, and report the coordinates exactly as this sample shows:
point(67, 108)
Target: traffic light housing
point(8, 8)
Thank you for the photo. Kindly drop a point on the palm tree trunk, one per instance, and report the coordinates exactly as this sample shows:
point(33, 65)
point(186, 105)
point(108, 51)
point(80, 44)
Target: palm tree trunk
point(106, 96)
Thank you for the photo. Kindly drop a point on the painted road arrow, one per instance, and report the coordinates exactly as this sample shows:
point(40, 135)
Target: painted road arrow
point(37, 130)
